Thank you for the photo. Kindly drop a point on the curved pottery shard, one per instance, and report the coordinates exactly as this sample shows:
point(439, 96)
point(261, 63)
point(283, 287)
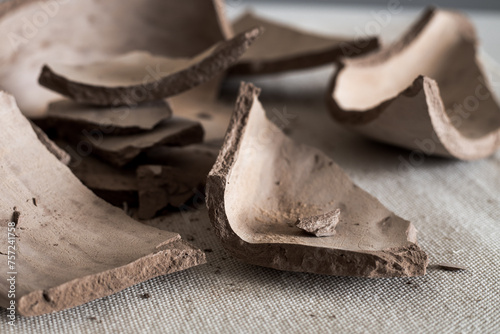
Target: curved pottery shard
point(283, 48)
point(263, 182)
point(139, 77)
point(426, 92)
point(120, 150)
point(35, 32)
point(113, 120)
point(71, 247)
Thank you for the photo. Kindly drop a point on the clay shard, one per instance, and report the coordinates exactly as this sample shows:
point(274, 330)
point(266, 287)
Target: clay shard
point(139, 76)
point(284, 48)
point(427, 92)
point(159, 27)
point(109, 120)
point(180, 173)
point(71, 247)
point(321, 225)
point(120, 150)
point(263, 181)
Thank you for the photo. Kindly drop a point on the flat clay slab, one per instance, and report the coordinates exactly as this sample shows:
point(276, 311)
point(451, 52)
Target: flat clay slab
point(111, 27)
point(71, 247)
point(139, 76)
point(427, 92)
point(284, 48)
point(120, 150)
point(173, 176)
point(263, 182)
point(109, 120)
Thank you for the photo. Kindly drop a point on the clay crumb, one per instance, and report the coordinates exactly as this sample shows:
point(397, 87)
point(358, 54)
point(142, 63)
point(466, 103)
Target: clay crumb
point(145, 295)
point(321, 225)
point(449, 267)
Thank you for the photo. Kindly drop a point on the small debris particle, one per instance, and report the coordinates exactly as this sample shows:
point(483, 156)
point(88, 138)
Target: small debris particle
point(208, 250)
point(145, 295)
point(321, 225)
point(94, 319)
point(450, 267)
point(34, 201)
point(189, 238)
point(277, 183)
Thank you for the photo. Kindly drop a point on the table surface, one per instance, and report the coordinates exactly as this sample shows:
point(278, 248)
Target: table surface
point(454, 205)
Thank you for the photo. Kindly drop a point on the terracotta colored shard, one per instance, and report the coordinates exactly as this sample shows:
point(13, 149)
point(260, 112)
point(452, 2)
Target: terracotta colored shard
point(109, 120)
point(427, 92)
point(321, 225)
point(120, 150)
point(284, 48)
point(263, 182)
point(71, 247)
point(178, 175)
point(111, 27)
point(139, 77)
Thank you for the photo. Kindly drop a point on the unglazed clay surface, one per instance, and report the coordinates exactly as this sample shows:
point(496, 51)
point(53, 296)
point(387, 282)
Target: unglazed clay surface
point(283, 48)
point(93, 31)
point(263, 182)
point(139, 76)
point(71, 247)
point(426, 92)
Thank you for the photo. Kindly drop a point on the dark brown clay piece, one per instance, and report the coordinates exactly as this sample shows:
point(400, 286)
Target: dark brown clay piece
point(139, 76)
point(121, 150)
point(263, 181)
point(284, 48)
point(180, 174)
point(112, 27)
point(73, 247)
point(109, 120)
point(427, 92)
